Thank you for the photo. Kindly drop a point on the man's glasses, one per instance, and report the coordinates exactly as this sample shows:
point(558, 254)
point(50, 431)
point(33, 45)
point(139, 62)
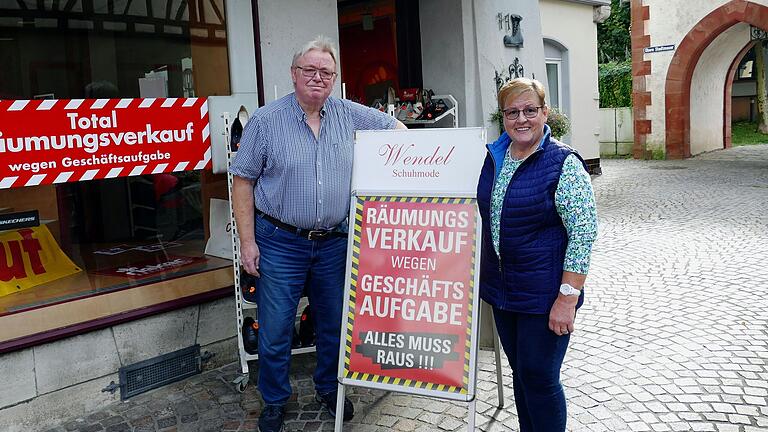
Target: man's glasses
point(529, 112)
point(310, 73)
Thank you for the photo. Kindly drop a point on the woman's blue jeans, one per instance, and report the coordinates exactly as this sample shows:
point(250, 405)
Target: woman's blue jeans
point(288, 263)
point(535, 354)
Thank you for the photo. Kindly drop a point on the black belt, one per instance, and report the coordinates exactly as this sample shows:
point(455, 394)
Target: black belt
point(301, 232)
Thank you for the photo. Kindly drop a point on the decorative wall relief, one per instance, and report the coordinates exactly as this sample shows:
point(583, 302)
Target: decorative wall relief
point(510, 24)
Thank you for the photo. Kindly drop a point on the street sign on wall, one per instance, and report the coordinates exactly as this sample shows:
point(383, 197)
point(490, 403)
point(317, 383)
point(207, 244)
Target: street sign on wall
point(57, 141)
point(658, 48)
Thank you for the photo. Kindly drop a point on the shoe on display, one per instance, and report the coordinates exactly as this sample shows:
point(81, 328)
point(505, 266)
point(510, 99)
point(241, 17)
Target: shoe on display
point(235, 133)
point(271, 418)
point(242, 115)
point(377, 104)
point(391, 96)
point(440, 107)
point(248, 287)
point(250, 335)
point(306, 329)
point(236, 130)
point(328, 401)
point(418, 107)
point(402, 111)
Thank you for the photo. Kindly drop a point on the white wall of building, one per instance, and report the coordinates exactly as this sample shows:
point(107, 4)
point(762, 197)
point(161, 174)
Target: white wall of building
point(578, 34)
point(669, 23)
point(285, 26)
point(708, 88)
point(462, 47)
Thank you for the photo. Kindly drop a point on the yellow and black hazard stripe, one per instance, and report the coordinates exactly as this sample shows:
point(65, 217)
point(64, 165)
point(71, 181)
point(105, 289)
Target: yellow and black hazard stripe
point(357, 233)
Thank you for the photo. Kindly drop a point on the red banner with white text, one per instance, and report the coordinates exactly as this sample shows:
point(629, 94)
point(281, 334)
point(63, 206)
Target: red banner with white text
point(411, 292)
point(58, 141)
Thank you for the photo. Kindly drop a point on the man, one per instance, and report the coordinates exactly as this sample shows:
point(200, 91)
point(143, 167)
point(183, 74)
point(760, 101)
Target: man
point(291, 187)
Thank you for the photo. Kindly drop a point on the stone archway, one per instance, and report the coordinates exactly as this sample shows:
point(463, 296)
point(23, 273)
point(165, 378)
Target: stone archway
point(678, 82)
point(727, 100)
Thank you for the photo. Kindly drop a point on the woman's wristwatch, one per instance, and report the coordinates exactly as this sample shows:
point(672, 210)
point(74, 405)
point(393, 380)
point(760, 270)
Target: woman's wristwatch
point(569, 291)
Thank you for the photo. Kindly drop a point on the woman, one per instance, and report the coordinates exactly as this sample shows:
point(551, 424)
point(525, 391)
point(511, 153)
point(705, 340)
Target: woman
point(539, 223)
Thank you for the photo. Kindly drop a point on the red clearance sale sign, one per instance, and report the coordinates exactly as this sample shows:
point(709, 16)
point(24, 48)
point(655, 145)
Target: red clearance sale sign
point(411, 292)
point(57, 141)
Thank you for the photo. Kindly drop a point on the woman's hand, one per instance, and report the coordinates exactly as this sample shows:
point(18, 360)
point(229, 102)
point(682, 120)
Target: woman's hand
point(563, 314)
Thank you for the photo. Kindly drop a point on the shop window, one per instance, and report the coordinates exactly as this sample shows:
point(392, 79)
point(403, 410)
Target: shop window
point(380, 48)
point(120, 233)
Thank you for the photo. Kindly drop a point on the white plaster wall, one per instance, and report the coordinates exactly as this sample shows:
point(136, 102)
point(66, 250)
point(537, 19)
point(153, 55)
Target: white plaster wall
point(285, 26)
point(462, 46)
point(708, 87)
point(669, 23)
point(443, 57)
point(578, 34)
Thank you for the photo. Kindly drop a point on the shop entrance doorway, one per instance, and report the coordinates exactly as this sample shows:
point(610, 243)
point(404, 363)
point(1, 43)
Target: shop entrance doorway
point(380, 47)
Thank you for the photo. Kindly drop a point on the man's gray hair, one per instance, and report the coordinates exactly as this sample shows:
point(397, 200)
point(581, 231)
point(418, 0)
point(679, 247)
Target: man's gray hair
point(320, 43)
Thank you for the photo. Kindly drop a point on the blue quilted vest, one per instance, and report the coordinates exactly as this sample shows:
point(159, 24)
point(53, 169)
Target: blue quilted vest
point(532, 239)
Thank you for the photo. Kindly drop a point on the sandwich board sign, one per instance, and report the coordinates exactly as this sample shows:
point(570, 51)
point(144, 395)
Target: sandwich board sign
point(411, 298)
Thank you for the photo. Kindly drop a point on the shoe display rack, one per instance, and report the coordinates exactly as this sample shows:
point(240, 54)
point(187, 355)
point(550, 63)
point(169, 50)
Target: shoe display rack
point(244, 309)
point(451, 110)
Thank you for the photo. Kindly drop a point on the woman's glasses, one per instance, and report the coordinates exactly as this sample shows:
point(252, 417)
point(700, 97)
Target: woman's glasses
point(513, 113)
point(310, 73)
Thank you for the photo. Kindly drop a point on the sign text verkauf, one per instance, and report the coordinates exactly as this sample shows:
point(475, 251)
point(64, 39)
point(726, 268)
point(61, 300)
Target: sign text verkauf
point(56, 141)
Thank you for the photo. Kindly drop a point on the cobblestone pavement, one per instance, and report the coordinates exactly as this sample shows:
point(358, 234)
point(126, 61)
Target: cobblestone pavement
point(673, 337)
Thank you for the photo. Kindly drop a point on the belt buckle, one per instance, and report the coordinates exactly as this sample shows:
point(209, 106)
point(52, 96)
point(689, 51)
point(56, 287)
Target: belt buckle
point(317, 234)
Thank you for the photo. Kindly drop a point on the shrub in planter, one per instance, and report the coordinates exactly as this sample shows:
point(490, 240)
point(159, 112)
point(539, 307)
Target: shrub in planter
point(558, 122)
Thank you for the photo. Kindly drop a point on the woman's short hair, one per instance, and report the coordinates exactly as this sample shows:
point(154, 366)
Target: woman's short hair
point(516, 87)
point(320, 43)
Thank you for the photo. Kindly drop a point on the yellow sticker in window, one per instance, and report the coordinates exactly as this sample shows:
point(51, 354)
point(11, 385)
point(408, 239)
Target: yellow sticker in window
point(31, 257)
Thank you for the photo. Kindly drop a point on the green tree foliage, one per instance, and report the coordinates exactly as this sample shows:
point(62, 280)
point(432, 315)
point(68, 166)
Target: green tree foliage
point(613, 40)
point(615, 82)
point(614, 48)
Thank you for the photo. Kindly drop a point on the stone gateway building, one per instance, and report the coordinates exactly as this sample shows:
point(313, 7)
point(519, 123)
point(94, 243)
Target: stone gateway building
point(684, 57)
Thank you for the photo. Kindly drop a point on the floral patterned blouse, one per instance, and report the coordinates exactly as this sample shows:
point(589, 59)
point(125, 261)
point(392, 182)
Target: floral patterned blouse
point(574, 201)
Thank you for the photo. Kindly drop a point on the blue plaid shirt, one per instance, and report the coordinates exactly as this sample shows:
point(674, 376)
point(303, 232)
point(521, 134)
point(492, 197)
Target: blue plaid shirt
point(299, 179)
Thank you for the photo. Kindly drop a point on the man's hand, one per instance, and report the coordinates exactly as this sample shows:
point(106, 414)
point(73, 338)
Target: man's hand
point(249, 257)
point(563, 314)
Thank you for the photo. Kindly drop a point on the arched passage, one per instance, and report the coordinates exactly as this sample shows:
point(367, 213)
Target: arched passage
point(727, 100)
point(679, 76)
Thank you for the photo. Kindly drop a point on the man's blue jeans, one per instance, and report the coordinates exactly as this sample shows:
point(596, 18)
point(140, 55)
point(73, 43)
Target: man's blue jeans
point(288, 263)
point(535, 354)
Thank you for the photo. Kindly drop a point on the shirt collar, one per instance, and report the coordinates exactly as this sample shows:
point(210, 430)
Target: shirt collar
point(299, 112)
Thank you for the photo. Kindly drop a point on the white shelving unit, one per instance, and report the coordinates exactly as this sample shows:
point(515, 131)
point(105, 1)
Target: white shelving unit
point(241, 306)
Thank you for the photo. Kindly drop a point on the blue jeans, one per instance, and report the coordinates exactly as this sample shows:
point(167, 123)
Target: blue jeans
point(288, 263)
point(535, 354)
